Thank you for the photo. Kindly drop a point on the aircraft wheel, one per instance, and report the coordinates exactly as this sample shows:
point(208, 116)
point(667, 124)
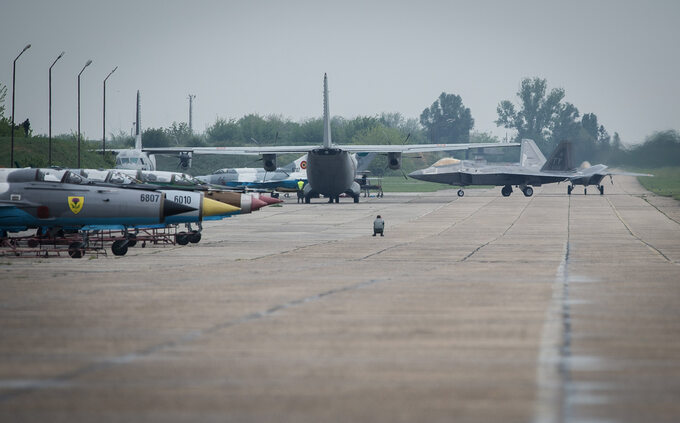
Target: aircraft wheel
point(337, 199)
point(569, 189)
point(356, 198)
point(601, 188)
point(585, 191)
point(506, 191)
point(308, 200)
point(194, 237)
point(182, 238)
point(75, 250)
point(528, 192)
point(132, 240)
point(119, 247)
point(461, 193)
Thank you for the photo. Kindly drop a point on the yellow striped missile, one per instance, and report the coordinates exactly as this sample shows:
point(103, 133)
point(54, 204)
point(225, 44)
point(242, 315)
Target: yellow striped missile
point(217, 208)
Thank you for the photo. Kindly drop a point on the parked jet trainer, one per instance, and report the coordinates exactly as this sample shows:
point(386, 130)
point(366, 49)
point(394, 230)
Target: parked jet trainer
point(33, 198)
point(533, 169)
point(331, 168)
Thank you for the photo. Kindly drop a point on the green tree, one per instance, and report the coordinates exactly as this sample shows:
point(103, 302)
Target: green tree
point(447, 120)
point(3, 94)
point(226, 132)
point(539, 112)
point(155, 137)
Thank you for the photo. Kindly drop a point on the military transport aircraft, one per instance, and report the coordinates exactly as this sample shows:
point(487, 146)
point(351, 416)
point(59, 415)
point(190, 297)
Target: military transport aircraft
point(532, 170)
point(331, 168)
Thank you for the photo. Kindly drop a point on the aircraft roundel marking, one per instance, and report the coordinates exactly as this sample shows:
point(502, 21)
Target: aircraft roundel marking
point(303, 164)
point(76, 204)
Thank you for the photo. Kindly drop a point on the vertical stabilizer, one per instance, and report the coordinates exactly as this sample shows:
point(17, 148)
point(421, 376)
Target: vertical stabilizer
point(530, 155)
point(138, 125)
point(326, 115)
point(560, 159)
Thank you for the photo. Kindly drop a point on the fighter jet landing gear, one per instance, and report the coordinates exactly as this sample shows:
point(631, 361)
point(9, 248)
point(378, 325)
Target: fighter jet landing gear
point(120, 247)
point(528, 191)
point(601, 188)
point(461, 192)
point(570, 188)
point(506, 191)
point(76, 249)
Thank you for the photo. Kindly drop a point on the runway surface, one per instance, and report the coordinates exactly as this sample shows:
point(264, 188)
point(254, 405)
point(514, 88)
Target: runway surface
point(552, 308)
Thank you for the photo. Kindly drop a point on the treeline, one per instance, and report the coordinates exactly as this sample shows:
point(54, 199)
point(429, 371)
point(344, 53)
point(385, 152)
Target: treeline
point(539, 114)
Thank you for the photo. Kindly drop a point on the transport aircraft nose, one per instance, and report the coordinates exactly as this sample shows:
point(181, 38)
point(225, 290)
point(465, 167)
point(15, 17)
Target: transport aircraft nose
point(216, 208)
point(171, 208)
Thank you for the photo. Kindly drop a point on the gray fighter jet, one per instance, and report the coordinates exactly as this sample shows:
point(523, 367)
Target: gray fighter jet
point(331, 168)
point(532, 170)
point(36, 198)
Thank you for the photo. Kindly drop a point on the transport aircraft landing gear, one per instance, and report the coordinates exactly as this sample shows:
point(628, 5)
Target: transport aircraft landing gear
point(570, 188)
point(308, 199)
point(585, 190)
point(356, 198)
point(528, 191)
point(601, 188)
point(506, 191)
point(461, 192)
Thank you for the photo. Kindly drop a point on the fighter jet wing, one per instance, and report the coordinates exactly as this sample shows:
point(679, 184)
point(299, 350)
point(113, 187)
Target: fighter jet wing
point(628, 173)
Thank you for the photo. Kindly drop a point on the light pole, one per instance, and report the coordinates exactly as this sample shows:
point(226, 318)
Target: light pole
point(191, 99)
point(14, 69)
point(88, 63)
point(50, 110)
point(104, 117)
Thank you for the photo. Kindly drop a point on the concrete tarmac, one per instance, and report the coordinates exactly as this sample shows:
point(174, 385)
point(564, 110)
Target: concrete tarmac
point(552, 308)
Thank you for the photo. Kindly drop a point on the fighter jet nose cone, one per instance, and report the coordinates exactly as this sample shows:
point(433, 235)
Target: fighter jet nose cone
point(270, 200)
point(415, 174)
point(256, 204)
point(171, 208)
point(217, 208)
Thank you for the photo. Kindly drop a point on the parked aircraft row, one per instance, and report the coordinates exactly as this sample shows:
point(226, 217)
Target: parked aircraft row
point(55, 201)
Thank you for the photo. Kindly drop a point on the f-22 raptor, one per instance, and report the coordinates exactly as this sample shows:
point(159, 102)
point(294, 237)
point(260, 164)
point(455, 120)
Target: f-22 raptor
point(532, 170)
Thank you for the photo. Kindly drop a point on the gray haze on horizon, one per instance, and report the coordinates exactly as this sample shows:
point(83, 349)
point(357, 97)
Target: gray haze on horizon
point(617, 59)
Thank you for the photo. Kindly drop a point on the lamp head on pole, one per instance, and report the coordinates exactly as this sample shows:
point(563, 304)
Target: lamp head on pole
point(88, 63)
point(61, 55)
point(26, 48)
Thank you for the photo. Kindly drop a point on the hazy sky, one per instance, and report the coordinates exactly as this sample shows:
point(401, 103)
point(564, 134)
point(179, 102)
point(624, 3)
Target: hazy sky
point(618, 59)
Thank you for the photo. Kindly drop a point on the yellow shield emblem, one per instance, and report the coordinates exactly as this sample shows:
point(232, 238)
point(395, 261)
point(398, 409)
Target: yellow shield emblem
point(76, 204)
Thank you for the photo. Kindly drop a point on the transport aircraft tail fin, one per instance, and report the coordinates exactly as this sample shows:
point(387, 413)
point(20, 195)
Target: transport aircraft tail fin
point(326, 115)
